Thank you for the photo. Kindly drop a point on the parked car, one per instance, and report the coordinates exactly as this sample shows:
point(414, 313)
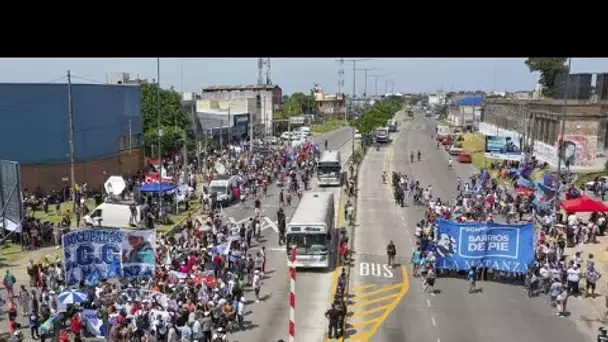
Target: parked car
point(464, 158)
point(455, 151)
point(286, 136)
point(591, 184)
point(357, 134)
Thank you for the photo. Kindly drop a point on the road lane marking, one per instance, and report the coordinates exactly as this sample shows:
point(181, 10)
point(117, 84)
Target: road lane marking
point(362, 287)
point(433, 321)
point(428, 303)
point(382, 290)
point(375, 300)
point(370, 311)
point(364, 323)
point(378, 270)
point(388, 309)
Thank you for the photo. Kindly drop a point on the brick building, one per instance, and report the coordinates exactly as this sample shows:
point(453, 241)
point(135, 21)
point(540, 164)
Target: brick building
point(538, 123)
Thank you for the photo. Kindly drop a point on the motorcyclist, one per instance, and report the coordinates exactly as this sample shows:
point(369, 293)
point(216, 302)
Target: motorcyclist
point(437, 144)
point(419, 155)
point(384, 177)
point(450, 163)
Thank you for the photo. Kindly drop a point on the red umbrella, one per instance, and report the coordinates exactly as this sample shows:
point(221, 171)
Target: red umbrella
point(584, 204)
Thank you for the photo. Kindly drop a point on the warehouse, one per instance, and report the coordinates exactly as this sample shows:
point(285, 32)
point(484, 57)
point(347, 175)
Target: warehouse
point(35, 122)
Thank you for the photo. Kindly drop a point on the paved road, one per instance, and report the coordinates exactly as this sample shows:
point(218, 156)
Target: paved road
point(269, 319)
point(502, 313)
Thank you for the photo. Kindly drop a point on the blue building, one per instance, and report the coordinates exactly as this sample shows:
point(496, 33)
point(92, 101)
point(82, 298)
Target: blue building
point(35, 131)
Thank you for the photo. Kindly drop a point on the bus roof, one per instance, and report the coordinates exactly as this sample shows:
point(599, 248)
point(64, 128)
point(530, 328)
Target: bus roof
point(313, 208)
point(330, 156)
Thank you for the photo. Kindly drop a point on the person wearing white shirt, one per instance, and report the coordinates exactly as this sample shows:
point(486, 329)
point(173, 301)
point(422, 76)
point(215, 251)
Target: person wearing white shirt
point(545, 276)
point(257, 284)
point(572, 219)
point(573, 277)
point(240, 311)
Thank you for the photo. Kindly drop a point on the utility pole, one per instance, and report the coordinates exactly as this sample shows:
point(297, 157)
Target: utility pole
point(221, 134)
point(388, 83)
point(354, 61)
point(130, 136)
point(197, 140)
point(365, 76)
point(375, 84)
point(160, 132)
point(560, 150)
point(341, 77)
point(72, 149)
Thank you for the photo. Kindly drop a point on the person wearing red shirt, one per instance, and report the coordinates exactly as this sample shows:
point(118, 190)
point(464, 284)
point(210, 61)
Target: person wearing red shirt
point(218, 264)
point(76, 325)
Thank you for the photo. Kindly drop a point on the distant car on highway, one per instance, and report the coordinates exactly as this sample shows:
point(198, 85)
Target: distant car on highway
point(455, 151)
point(464, 158)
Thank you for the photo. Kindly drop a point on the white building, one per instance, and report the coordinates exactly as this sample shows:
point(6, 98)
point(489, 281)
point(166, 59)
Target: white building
point(123, 78)
point(266, 99)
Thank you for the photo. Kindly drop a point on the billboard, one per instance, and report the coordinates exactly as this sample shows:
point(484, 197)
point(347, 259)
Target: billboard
point(106, 253)
point(503, 247)
point(500, 147)
point(11, 198)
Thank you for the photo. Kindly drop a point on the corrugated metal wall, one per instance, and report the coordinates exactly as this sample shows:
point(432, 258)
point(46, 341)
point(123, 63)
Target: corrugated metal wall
point(34, 121)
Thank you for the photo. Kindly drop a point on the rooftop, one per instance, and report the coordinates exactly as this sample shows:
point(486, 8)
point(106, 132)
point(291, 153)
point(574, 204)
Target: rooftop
point(240, 87)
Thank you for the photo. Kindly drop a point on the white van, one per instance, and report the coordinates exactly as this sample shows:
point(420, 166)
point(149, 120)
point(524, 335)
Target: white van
point(223, 189)
point(115, 215)
point(305, 131)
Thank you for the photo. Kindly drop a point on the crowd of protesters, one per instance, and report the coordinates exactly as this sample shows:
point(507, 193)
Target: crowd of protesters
point(203, 267)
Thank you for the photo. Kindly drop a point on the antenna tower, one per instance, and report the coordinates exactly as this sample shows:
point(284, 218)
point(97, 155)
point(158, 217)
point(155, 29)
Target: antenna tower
point(268, 68)
point(260, 71)
point(341, 77)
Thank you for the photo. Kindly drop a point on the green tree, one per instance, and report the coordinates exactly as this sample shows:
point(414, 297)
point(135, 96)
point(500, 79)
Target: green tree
point(549, 69)
point(174, 119)
point(298, 104)
point(379, 114)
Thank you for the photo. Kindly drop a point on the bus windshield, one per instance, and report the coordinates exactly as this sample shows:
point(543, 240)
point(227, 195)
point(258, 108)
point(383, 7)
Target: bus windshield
point(218, 189)
point(308, 243)
point(328, 171)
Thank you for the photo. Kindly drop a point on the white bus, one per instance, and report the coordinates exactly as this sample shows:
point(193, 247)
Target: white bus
point(312, 231)
point(382, 135)
point(329, 168)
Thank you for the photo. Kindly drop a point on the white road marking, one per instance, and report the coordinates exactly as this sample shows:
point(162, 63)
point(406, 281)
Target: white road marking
point(433, 294)
point(428, 303)
point(409, 238)
point(433, 321)
point(276, 249)
point(271, 224)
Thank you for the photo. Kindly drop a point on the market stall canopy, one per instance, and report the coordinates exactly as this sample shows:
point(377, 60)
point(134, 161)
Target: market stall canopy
point(157, 187)
point(583, 204)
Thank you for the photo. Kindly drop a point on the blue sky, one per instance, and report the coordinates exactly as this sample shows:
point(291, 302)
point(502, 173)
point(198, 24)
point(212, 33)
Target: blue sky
point(299, 74)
